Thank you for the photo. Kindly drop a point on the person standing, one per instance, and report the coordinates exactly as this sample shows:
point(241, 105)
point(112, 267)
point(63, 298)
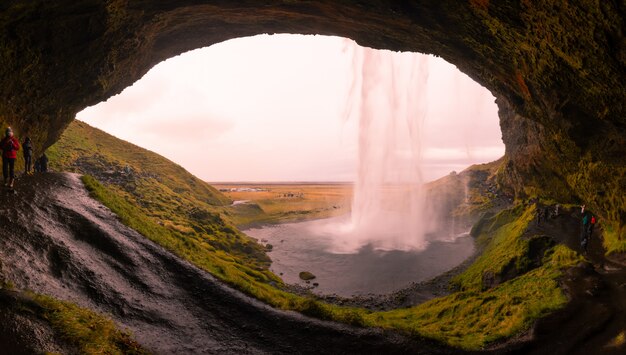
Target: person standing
point(584, 240)
point(557, 209)
point(27, 150)
point(9, 145)
point(43, 163)
point(592, 224)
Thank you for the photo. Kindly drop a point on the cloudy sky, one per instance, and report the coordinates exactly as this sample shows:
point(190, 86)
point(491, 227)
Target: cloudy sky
point(273, 108)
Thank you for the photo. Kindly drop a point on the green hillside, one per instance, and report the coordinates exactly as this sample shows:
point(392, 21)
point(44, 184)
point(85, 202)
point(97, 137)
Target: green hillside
point(182, 210)
point(87, 149)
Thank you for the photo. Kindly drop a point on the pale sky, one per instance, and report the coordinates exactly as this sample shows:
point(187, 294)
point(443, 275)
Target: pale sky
point(272, 108)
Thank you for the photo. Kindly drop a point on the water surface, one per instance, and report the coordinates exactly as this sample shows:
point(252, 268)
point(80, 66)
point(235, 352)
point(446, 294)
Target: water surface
point(302, 246)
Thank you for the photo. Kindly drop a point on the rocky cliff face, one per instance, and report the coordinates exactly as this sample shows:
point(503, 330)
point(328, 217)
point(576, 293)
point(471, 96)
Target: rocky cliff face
point(557, 68)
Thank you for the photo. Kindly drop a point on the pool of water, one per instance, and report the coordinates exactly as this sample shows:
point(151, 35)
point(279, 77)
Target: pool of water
point(301, 247)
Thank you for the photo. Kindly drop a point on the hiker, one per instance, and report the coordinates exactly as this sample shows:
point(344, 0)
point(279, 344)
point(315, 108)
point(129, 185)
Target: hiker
point(583, 235)
point(592, 224)
point(539, 214)
point(9, 145)
point(28, 155)
point(43, 163)
point(546, 213)
point(36, 167)
point(556, 210)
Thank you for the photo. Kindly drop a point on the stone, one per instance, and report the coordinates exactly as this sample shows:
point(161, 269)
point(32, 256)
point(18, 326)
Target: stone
point(306, 276)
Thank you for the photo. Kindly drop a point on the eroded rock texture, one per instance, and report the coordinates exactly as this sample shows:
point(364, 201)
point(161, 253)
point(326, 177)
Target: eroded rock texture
point(556, 67)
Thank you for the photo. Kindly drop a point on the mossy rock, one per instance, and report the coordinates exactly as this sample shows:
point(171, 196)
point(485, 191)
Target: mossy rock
point(306, 276)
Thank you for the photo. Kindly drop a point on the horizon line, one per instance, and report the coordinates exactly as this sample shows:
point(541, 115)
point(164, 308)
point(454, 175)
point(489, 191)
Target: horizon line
point(291, 182)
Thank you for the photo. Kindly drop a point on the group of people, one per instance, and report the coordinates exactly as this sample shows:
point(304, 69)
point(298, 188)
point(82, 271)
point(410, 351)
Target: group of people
point(10, 145)
point(546, 212)
point(543, 213)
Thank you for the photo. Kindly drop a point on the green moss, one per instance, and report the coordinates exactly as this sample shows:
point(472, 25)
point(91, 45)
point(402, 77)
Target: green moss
point(563, 257)
point(614, 238)
point(502, 243)
point(473, 319)
point(90, 332)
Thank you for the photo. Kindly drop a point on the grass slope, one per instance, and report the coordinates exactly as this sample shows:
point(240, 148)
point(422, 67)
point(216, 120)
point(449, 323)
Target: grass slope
point(90, 332)
point(160, 193)
point(471, 318)
point(84, 330)
point(85, 147)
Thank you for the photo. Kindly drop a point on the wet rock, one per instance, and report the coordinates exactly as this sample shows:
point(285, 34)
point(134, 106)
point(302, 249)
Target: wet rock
point(306, 276)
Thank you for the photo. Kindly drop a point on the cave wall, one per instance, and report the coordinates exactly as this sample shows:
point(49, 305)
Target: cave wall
point(556, 67)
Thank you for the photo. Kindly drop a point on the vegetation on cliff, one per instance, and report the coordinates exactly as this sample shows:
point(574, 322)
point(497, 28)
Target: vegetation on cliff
point(74, 328)
point(89, 332)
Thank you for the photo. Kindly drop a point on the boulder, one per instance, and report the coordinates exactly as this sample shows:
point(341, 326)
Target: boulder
point(306, 276)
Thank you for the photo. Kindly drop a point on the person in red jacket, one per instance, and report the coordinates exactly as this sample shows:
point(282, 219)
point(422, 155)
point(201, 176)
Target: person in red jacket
point(9, 145)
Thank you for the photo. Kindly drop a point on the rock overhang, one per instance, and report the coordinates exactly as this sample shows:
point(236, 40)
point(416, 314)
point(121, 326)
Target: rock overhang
point(557, 68)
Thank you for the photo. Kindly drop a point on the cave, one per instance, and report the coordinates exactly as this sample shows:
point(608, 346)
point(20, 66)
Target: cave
point(556, 69)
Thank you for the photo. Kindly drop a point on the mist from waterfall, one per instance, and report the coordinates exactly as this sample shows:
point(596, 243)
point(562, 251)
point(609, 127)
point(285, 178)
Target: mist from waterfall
point(389, 100)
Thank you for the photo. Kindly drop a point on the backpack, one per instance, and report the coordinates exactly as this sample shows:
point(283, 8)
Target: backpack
point(593, 220)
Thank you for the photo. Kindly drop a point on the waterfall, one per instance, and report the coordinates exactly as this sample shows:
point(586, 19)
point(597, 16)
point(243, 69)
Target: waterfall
point(388, 98)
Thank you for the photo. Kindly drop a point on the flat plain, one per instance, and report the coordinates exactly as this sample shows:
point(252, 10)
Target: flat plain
point(260, 203)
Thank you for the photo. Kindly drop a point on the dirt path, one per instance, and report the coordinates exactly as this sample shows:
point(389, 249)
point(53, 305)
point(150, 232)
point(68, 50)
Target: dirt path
point(54, 239)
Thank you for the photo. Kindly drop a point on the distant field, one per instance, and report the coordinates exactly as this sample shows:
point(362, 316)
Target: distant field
point(282, 202)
